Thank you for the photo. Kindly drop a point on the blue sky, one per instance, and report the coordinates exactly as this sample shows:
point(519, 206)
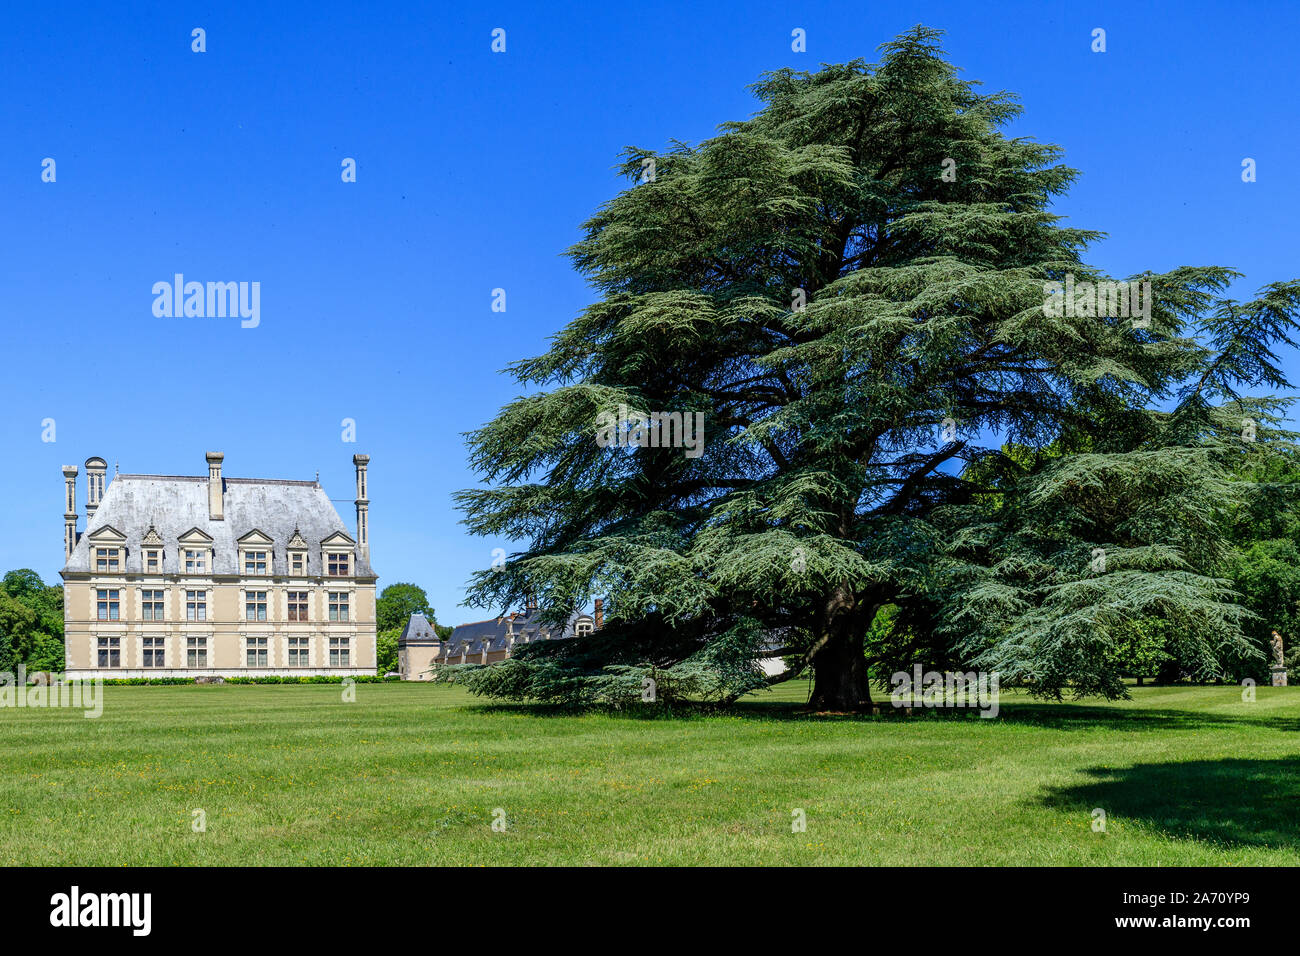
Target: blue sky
point(475, 171)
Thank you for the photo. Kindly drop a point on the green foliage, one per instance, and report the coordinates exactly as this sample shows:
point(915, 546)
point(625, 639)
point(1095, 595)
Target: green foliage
point(397, 602)
point(1142, 647)
point(1267, 576)
point(828, 488)
point(386, 650)
point(31, 623)
point(308, 679)
point(46, 655)
point(579, 672)
point(145, 681)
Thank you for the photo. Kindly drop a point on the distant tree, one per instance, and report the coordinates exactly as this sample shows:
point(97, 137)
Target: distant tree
point(386, 650)
point(22, 582)
point(18, 630)
point(1267, 576)
point(8, 658)
point(31, 622)
point(46, 655)
point(1142, 647)
point(398, 602)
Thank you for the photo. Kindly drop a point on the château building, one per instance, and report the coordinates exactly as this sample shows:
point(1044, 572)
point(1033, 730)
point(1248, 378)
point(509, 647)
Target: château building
point(215, 576)
point(420, 652)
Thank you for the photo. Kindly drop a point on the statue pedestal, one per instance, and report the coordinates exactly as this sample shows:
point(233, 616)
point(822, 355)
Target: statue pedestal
point(1279, 675)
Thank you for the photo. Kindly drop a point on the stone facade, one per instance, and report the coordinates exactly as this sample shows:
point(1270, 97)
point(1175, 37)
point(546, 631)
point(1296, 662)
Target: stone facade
point(180, 576)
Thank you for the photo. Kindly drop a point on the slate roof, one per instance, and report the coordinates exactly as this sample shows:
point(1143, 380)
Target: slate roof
point(494, 632)
point(418, 630)
point(174, 505)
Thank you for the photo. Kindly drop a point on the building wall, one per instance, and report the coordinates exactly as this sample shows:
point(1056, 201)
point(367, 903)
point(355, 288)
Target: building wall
point(226, 630)
point(416, 661)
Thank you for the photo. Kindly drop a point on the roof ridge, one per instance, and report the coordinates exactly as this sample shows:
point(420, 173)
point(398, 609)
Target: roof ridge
point(237, 481)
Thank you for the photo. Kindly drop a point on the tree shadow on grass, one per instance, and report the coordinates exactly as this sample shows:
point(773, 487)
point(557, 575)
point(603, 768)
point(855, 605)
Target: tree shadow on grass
point(1047, 715)
point(1051, 716)
point(1229, 802)
point(1117, 717)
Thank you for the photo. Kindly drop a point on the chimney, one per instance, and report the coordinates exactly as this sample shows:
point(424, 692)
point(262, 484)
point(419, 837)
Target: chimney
point(599, 616)
point(69, 510)
point(216, 487)
point(530, 601)
point(95, 469)
point(363, 507)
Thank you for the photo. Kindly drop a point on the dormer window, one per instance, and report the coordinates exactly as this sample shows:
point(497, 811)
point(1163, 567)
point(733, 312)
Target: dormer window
point(151, 551)
point(196, 552)
point(336, 555)
point(255, 553)
point(296, 552)
point(107, 560)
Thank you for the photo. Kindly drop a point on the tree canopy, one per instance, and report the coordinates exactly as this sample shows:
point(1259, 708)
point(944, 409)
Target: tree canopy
point(31, 623)
point(397, 602)
point(860, 289)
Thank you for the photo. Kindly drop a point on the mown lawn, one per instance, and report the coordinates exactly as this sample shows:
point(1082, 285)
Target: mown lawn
point(412, 774)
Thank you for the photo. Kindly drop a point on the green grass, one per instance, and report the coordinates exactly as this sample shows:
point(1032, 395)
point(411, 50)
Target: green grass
point(411, 774)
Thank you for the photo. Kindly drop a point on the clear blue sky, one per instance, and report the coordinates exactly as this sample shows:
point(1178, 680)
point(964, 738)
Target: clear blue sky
point(475, 171)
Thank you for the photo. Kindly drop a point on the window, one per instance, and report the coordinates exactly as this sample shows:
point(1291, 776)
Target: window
point(339, 651)
point(338, 606)
point(153, 652)
point(106, 559)
point(196, 652)
point(298, 562)
point(109, 606)
point(196, 605)
point(338, 565)
point(257, 652)
point(195, 562)
point(298, 651)
point(151, 605)
point(297, 605)
point(254, 562)
point(152, 562)
point(255, 606)
point(110, 652)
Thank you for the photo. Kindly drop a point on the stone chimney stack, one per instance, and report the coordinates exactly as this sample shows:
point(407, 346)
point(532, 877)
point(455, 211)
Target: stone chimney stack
point(599, 617)
point(95, 470)
point(69, 510)
point(363, 507)
point(216, 487)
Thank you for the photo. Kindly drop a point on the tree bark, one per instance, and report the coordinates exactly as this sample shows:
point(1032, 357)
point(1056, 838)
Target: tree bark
point(839, 668)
